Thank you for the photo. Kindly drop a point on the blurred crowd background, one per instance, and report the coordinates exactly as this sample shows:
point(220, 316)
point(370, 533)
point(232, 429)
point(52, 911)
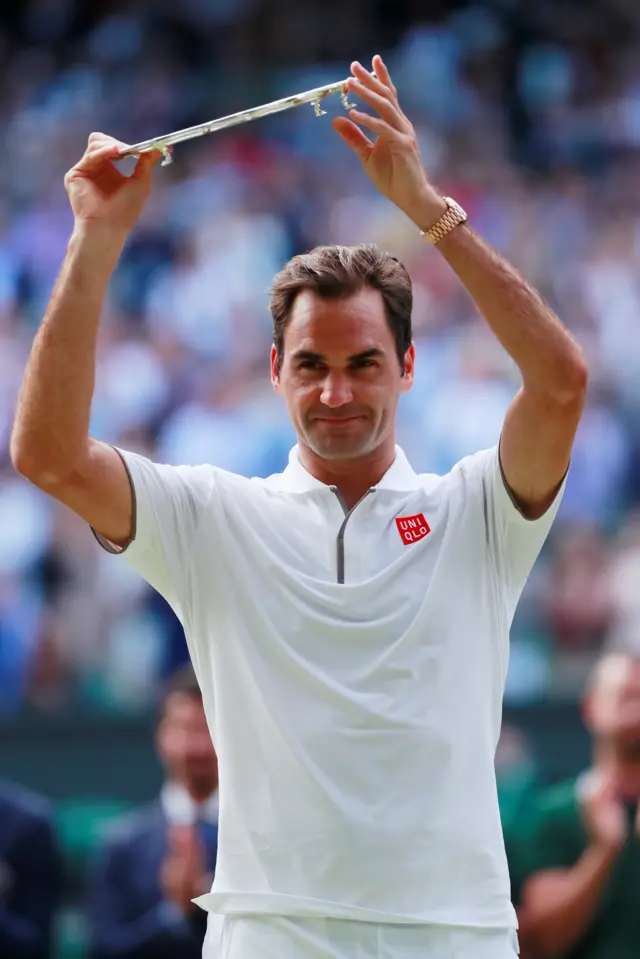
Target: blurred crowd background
point(528, 114)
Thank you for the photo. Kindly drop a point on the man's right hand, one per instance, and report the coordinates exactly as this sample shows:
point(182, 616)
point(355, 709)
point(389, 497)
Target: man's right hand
point(100, 193)
point(183, 869)
point(604, 815)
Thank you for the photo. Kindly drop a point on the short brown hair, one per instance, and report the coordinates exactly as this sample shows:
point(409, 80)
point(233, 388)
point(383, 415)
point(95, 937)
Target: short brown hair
point(181, 682)
point(336, 272)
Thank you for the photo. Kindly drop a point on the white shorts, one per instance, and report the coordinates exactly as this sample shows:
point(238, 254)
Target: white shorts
point(281, 937)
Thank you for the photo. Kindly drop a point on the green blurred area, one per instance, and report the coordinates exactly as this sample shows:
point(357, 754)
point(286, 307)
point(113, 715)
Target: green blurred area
point(82, 825)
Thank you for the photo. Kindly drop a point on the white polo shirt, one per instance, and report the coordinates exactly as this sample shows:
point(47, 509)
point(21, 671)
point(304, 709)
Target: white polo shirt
point(352, 670)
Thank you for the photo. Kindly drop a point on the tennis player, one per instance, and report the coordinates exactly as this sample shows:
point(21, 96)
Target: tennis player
point(348, 619)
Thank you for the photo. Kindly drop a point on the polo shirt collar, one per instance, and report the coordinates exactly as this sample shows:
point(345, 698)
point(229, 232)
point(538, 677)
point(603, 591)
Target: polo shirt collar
point(399, 477)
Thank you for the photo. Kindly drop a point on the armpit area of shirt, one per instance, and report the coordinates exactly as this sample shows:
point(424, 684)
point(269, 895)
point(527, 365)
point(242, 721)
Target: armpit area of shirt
point(522, 515)
point(106, 544)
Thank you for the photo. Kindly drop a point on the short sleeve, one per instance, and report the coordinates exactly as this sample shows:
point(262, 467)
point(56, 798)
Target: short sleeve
point(515, 541)
point(168, 503)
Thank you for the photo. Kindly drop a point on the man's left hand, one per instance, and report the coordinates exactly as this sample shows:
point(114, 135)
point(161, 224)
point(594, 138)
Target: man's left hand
point(392, 161)
point(182, 875)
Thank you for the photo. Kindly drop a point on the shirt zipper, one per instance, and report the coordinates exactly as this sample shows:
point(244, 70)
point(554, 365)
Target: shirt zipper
point(340, 538)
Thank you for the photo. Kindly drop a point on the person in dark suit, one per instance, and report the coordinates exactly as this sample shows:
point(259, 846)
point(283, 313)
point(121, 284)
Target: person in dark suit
point(156, 861)
point(30, 874)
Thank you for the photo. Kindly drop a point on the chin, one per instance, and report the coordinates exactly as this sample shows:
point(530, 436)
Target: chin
point(340, 447)
point(202, 780)
point(346, 450)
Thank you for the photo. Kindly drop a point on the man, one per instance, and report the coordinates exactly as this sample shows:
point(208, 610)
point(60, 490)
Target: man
point(582, 896)
point(348, 619)
point(158, 861)
point(30, 875)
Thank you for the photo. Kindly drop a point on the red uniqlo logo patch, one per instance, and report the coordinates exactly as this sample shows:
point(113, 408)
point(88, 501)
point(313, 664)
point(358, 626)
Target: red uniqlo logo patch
point(412, 528)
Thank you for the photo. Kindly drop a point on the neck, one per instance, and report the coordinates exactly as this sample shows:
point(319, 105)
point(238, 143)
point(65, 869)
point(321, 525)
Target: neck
point(351, 477)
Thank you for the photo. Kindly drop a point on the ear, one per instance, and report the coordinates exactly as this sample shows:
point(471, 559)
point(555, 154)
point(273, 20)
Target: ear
point(275, 375)
point(406, 382)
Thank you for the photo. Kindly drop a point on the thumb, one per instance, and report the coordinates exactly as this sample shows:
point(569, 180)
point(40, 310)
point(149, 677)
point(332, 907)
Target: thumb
point(353, 136)
point(146, 165)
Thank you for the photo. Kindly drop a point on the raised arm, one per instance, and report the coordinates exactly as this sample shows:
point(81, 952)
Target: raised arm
point(50, 443)
point(542, 420)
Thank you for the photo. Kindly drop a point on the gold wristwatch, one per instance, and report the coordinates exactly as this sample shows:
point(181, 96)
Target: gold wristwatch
point(452, 217)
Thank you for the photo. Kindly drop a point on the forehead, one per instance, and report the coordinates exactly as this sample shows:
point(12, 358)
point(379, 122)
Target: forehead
point(619, 685)
point(183, 707)
point(334, 326)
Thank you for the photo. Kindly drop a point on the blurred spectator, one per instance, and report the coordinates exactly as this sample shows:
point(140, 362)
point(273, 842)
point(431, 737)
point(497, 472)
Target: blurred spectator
point(518, 786)
point(157, 861)
point(30, 875)
point(624, 583)
point(583, 854)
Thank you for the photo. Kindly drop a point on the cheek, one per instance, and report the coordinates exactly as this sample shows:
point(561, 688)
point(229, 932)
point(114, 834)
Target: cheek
point(382, 394)
point(299, 395)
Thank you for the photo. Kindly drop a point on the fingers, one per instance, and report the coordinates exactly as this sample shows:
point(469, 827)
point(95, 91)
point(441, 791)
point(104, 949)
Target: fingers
point(146, 165)
point(94, 158)
point(183, 842)
point(384, 75)
point(370, 80)
point(379, 81)
point(381, 104)
point(100, 148)
point(375, 124)
point(353, 136)
point(97, 141)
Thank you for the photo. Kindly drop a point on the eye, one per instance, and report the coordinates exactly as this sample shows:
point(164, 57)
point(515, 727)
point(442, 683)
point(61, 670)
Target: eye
point(362, 364)
point(309, 365)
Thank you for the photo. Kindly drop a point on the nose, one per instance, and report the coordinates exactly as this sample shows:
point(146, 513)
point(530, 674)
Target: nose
point(336, 390)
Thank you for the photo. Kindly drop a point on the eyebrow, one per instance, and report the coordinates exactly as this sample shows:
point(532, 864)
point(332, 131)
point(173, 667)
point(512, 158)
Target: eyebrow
point(372, 354)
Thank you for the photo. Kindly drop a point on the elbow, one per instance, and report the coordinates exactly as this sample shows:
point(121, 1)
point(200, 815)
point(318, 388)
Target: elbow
point(579, 374)
point(33, 466)
point(21, 456)
point(561, 381)
point(575, 379)
point(570, 382)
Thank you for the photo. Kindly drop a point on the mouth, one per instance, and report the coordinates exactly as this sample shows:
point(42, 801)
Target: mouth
point(338, 420)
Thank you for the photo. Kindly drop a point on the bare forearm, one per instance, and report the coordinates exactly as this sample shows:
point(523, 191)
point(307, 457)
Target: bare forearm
point(548, 357)
point(51, 426)
point(558, 907)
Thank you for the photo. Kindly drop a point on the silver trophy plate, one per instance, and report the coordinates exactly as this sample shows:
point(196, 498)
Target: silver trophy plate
point(165, 144)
